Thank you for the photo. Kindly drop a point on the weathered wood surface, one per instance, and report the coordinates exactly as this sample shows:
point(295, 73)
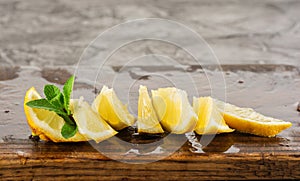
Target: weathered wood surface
point(81, 161)
point(270, 89)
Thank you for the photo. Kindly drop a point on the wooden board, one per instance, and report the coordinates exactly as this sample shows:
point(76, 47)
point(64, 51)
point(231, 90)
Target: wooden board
point(270, 89)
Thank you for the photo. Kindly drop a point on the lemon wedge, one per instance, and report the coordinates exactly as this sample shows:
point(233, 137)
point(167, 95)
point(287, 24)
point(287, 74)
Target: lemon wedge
point(174, 110)
point(147, 121)
point(210, 119)
point(46, 124)
point(248, 121)
point(112, 110)
point(89, 123)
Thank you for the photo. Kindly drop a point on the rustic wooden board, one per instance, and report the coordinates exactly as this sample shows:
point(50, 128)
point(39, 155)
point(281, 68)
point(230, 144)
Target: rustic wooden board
point(270, 89)
point(80, 160)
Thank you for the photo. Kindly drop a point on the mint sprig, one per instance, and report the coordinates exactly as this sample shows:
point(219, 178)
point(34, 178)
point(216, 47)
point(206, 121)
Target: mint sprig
point(59, 103)
point(67, 91)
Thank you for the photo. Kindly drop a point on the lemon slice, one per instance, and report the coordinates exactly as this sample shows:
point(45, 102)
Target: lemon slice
point(46, 124)
point(174, 110)
point(147, 121)
point(112, 110)
point(248, 121)
point(89, 123)
point(210, 119)
point(42, 136)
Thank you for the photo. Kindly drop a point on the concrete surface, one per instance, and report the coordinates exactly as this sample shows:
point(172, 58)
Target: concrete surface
point(42, 33)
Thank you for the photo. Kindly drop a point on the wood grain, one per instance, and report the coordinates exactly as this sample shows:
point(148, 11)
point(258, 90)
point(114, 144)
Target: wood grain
point(80, 161)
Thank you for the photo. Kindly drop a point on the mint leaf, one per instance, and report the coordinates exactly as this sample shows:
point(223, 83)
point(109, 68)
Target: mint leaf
point(51, 91)
point(54, 96)
point(58, 101)
point(68, 130)
point(62, 99)
point(45, 104)
point(67, 91)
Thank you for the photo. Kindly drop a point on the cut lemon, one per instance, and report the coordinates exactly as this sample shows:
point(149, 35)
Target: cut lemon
point(174, 110)
point(89, 123)
point(210, 119)
point(248, 121)
point(46, 124)
point(112, 110)
point(147, 121)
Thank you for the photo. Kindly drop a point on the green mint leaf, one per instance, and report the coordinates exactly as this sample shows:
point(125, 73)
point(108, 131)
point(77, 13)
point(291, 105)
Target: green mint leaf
point(51, 91)
point(44, 104)
point(67, 90)
point(57, 101)
point(62, 100)
point(68, 130)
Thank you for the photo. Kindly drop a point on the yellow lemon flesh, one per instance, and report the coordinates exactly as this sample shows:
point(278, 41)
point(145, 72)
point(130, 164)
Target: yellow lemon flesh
point(174, 110)
point(248, 121)
point(46, 124)
point(147, 121)
point(89, 123)
point(210, 119)
point(112, 110)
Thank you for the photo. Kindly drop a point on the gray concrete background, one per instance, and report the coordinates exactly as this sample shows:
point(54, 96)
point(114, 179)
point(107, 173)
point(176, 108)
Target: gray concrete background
point(42, 33)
